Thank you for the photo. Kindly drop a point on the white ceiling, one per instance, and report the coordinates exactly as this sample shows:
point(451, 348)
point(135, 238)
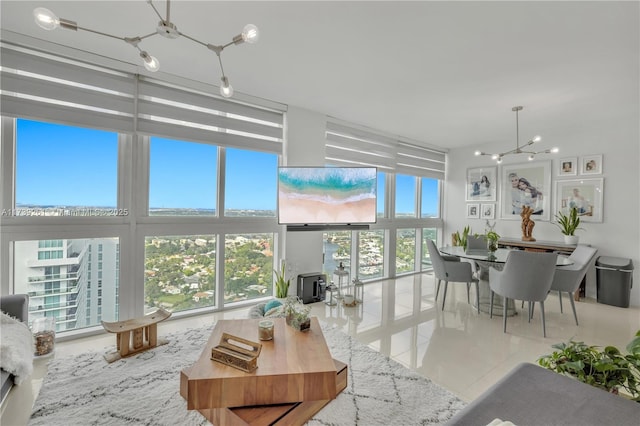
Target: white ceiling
point(443, 73)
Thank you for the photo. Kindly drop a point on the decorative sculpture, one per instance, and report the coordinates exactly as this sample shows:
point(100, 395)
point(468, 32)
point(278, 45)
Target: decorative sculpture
point(527, 224)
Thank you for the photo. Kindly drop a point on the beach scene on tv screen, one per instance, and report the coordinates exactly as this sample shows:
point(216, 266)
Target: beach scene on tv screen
point(319, 195)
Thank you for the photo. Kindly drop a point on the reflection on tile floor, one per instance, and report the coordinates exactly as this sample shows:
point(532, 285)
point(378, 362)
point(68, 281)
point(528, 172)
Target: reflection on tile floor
point(455, 347)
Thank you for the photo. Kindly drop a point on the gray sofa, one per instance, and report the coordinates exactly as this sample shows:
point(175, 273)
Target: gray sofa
point(17, 306)
point(532, 395)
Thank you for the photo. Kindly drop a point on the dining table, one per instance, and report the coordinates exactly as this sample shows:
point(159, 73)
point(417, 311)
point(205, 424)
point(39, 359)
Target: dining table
point(482, 262)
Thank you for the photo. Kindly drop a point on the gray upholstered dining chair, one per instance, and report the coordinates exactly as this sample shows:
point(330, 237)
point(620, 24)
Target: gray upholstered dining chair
point(568, 278)
point(476, 244)
point(449, 268)
point(526, 276)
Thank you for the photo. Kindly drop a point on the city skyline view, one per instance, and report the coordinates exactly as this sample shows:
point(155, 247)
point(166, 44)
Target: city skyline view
point(183, 175)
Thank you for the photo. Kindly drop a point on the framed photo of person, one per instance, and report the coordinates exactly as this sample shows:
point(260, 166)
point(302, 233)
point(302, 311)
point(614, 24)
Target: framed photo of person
point(487, 211)
point(568, 166)
point(583, 194)
point(481, 184)
point(527, 184)
point(591, 165)
point(473, 211)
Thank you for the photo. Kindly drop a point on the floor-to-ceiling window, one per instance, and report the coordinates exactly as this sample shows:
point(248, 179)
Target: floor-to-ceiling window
point(408, 201)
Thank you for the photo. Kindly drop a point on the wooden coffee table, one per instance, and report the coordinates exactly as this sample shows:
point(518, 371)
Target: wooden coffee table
point(295, 378)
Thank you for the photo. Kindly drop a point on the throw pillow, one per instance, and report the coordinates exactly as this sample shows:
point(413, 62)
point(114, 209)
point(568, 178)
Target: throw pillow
point(272, 304)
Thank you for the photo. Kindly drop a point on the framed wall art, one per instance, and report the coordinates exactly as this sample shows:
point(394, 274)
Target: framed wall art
point(583, 194)
point(568, 166)
point(473, 211)
point(591, 165)
point(481, 184)
point(527, 184)
point(487, 211)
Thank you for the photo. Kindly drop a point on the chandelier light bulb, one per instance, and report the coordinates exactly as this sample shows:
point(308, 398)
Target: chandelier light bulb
point(45, 18)
point(495, 157)
point(151, 63)
point(477, 153)
point(554, 150)
point(537, 138)
point(226, 89)
point(531, 157)
point(250, 33)
point(499, 160)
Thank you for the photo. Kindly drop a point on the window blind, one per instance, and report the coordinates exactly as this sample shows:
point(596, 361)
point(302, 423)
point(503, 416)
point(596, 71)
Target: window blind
point(350, 146)
point(45, 86)
point(177, 112)
point(39, 85)
point(419, 161)
point(353, 146)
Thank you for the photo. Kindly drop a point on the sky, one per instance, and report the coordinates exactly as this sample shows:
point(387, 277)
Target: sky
point(73, 166)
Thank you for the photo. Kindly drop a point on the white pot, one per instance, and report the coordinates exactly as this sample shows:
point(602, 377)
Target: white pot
point(571, 239)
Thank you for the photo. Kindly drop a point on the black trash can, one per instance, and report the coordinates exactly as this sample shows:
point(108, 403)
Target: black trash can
point(614, 280)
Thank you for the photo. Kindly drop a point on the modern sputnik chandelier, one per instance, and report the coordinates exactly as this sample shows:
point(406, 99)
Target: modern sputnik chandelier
point(519, 149)
point(49, 21)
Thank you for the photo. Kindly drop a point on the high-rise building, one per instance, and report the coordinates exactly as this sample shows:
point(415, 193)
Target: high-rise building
point(74, 281)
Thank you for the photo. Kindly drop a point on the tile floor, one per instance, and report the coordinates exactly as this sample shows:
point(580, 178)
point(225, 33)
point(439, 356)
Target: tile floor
point(456, 348)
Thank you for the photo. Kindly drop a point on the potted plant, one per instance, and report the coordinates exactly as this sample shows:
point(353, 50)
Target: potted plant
point(606, 368)
point(296, 314)
point(282, 284)
point(568, 225)
point(492, 240)
point(458, 239)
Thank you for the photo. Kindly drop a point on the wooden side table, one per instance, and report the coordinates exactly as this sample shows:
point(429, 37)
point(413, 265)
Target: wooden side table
point(137, 334)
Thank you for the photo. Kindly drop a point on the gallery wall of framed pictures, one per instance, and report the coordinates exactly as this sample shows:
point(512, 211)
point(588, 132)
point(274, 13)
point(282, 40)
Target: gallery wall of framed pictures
point(584, 193)
point(576, 185)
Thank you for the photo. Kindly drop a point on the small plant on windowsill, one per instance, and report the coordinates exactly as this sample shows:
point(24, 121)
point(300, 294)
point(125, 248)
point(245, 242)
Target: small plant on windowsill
point(282, 284)
point(606, 368)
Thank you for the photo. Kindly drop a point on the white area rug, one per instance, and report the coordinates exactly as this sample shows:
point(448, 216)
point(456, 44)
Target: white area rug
point(144, 389)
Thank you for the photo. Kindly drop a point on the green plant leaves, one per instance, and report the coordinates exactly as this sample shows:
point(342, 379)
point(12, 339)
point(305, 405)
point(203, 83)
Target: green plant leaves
point(605, 368)
point(568, 224)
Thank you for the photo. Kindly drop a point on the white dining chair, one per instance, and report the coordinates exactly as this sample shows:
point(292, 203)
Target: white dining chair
point(448, 269)
point(568, 278)
point(526, 276)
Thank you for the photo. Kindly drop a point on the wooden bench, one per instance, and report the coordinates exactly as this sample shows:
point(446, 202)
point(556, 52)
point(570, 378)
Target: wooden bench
point(137, 334)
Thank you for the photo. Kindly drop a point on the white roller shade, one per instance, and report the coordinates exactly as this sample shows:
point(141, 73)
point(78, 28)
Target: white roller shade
point(353, 146)
point(39, 85)
point(45, 86)
point(349, 146)
point(418, 161)
point(176, 112)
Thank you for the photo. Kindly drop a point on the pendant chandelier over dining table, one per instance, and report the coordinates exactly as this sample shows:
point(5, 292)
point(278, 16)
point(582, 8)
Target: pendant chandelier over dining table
point(47, 20)
point(519, 149)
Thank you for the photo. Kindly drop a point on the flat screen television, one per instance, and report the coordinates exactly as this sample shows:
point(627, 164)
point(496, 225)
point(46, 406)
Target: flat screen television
point(327, 195)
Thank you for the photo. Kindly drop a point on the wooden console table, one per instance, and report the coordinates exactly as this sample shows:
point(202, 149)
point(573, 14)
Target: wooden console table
point(295, 378)
point(543, 246)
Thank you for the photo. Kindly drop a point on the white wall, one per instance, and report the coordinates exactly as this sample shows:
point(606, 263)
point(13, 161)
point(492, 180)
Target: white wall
point(305, 140)
point(615, 137)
